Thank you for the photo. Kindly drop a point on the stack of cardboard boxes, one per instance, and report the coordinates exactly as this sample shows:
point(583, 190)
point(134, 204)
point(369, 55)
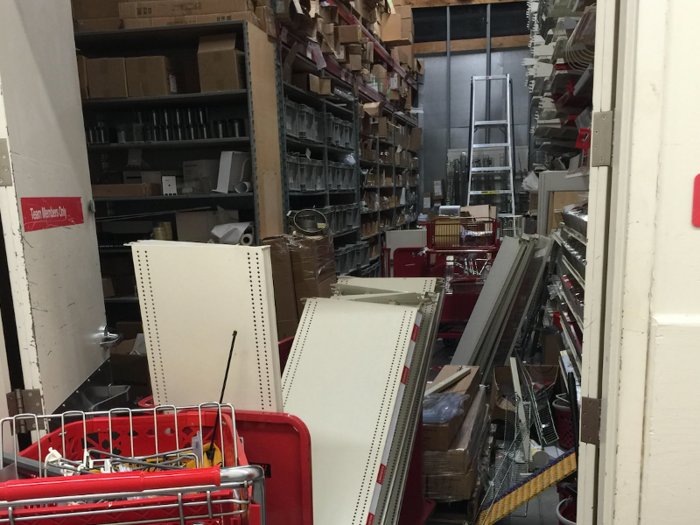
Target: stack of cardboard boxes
point(107, 15)
point(147, 76)
point(302, 267)
point(451, 451)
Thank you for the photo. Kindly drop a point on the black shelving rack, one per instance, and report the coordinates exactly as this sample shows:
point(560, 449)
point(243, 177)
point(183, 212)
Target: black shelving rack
point(265, 206)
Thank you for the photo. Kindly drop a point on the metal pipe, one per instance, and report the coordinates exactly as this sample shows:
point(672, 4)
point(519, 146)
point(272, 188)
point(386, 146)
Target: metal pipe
point(448, 85)
point(488, 70)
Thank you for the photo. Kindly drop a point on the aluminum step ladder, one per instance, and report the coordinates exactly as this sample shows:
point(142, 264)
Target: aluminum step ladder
point(504, 125)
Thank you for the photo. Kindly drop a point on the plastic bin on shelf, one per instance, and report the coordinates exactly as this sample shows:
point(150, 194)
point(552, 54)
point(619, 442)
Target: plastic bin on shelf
point(304, 174)
point(290, 118)
point(293, 174)
point(352, 216)
point(316, 175)
point(345, 133)
point(363, 253)
point(306, 123)
point(333, 130)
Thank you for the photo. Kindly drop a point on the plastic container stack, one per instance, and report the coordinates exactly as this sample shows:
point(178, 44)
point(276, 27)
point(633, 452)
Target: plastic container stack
point(293, 173)
point(291, 118)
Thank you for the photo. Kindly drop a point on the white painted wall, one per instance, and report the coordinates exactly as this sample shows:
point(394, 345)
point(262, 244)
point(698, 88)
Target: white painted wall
point(55, 273)
point(650, 449)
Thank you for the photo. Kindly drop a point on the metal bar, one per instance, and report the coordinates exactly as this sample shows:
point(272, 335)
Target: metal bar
point(448, 85)
point(488, 69)
point(471, 141)
point(511, 139)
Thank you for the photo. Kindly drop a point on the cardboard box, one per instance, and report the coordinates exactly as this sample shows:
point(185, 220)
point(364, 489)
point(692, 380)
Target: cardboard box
point(107, 77)
point(329, 13)
point(480, 211)
point(503, 382)
point(465, 446)
point(451, 487)
point(129, 329)
point(97, 24)
point(221, 65)
point(266, 18)
point(427, 202)
point(150, 76)
point(407, 29)
point(551, 348)
point(83, 77)
point(135, 23)
point(355, 62)
point(416, 139)
point(391, 30)
point(283, 281)
point(309, 82)
point(195, 226)
point(165, 8)
point(349, 34)
point(440, 437)
point(313, 266)
point(420, 66)
point(437, 190)
point(107, 287)
point(405, 11)
point(557, 201)
point(125, 190)
point(404, 54)
point(93, 9)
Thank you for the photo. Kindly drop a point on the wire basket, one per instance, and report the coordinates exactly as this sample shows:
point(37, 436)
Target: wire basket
point(458, 233)
point(159, 477)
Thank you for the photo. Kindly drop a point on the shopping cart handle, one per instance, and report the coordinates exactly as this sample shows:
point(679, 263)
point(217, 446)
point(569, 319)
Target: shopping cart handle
point(22, 489)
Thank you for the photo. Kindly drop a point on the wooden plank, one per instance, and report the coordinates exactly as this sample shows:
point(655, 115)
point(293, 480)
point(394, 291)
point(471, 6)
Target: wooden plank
point(263, 96)
point(442, 3)
point(473, 44)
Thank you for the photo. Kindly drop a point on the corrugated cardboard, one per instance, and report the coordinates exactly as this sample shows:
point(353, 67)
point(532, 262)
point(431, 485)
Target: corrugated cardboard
point(129, 329)
point(150, 76)
point(107, 77)
point(355, 62)
point(125, 190)
point(416, 140)
point(134, 23)
point(480, 211)
point(557, 201)
point(107, 287)
point(309, 82)
point(407, 29)
point(406, 11)
point(195, 226)
point(97, 24)
point(83, 77)
point(91, 9)
point(221, 65)
point(283, 280)
point(313, 265)
point(420, 66)
point(164, 8)
point(440, 437)
point(348, 34)
point(463, 449)
point(451, 487)
point(266, 20)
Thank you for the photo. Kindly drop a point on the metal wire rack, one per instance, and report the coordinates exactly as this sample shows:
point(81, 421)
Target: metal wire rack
point(131, 467)
point(511, 464)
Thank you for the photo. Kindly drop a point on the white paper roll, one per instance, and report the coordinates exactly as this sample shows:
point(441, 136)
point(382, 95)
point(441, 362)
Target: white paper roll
point(244, 187)
point(246, 239)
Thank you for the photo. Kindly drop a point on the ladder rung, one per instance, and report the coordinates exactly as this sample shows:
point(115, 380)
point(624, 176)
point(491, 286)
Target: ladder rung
point(491, 123)
point(490, 77)
point(494, 145)
point(490, 169)
point(491, 192)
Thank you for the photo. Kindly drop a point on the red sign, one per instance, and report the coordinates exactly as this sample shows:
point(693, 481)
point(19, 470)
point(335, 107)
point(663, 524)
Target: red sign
point(696, 202)
point(41, 213)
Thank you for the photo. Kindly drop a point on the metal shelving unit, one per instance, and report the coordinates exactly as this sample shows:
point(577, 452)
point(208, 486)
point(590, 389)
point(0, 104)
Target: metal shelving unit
point(251, 106)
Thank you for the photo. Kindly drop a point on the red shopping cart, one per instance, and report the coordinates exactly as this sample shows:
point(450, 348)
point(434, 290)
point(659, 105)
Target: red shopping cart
point(161, 457)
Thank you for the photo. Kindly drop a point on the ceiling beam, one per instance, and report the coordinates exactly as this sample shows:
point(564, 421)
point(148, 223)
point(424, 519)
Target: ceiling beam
point(443, 3)
point(473, 44)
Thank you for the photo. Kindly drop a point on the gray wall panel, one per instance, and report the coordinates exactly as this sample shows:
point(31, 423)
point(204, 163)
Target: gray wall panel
point(434, 105)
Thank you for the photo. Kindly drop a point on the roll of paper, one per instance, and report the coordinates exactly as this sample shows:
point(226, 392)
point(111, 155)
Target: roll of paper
point(246, 239)
point(244, 187)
